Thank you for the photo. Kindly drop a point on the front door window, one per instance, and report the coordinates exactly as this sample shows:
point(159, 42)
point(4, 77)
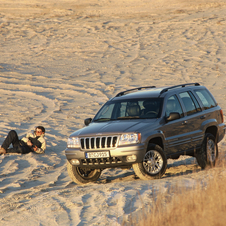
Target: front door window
point(173, 105)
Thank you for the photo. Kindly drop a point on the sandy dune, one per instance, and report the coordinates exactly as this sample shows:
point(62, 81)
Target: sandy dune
point(61, 60)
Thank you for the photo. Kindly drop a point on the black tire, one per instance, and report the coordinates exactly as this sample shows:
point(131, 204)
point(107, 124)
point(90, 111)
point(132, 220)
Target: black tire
point(82, 175)
point(208, 153)
point(153, 165)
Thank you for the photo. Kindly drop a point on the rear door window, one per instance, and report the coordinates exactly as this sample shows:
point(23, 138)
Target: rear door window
point(190, 103)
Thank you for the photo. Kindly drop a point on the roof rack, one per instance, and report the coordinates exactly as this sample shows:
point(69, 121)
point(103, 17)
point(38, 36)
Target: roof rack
point(139, 88)
point(182, 85)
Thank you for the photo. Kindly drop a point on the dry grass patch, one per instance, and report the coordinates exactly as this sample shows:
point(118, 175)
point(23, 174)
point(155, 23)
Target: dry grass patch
point(205, 204)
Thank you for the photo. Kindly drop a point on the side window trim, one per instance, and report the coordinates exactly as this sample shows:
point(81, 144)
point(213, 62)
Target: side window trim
point(196, 102)
point(179, 102)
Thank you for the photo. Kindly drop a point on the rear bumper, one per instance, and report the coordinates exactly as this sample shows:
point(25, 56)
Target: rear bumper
point(118, 157)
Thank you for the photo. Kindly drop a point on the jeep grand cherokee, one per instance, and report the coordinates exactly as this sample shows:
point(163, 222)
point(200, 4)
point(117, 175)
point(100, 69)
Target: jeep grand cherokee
point(143, 127)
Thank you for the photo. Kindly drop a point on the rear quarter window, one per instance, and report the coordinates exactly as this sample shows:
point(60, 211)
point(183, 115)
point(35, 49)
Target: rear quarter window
point(206, 98)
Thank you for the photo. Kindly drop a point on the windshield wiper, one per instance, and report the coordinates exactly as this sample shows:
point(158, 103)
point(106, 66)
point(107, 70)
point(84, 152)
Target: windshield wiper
point(119, 118)
point(129, 117)
point(102, 119)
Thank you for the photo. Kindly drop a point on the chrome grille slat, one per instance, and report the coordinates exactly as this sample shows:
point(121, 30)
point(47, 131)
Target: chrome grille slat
point(95, 142)
point(100, 142)
point(90, 146)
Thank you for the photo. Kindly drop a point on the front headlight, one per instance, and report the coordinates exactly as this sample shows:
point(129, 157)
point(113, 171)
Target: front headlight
point(129, 138)
point(73, 142)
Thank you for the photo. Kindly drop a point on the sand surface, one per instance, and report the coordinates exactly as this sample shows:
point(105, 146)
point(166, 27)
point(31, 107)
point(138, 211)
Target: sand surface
point(61, 60)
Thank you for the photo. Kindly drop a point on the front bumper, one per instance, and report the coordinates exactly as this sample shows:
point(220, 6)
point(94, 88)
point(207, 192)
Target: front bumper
point(118, 156)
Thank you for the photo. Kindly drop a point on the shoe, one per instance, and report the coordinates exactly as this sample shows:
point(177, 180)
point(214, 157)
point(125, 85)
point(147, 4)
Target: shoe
point(2, 151)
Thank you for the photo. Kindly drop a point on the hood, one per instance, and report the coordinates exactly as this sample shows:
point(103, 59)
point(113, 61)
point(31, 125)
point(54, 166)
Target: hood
point(113, 127)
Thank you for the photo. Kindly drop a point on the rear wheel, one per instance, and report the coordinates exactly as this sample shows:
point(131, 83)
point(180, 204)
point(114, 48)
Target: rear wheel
point(153, 165)
point(208, 153)
point(82, 175)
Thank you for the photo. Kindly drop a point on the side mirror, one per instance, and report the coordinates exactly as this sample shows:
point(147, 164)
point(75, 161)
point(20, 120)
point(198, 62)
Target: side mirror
point(173, 116)
point(87, 121)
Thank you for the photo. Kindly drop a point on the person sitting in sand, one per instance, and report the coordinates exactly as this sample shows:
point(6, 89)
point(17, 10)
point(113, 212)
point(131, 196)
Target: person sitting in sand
point(33, 142)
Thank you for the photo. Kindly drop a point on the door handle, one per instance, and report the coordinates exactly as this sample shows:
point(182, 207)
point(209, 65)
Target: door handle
point(184, 122)
point(203, 117)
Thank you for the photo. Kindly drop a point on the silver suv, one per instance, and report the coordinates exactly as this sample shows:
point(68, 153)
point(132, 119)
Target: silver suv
point(142, 128)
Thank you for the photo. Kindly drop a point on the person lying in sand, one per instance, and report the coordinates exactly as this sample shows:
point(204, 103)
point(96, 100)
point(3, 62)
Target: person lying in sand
point(33, 142)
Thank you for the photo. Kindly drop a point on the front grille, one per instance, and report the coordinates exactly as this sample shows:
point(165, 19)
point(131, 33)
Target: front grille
point(89, 143)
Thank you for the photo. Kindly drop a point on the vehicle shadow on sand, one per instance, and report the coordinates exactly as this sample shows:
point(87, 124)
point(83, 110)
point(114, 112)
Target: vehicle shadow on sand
point(174, 168)
point(182, 166)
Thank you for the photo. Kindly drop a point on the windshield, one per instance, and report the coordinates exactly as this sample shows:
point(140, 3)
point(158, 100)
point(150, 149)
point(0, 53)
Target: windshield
point(130, 109)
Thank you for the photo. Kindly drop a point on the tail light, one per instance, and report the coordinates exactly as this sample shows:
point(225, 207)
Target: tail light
point(222, 116)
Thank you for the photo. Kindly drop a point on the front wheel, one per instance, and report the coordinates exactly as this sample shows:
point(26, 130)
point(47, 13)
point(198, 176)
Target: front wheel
point(82, 175)
point(153, 165)
point(208, 153)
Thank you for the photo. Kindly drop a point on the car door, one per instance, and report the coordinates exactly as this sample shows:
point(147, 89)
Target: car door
point(192, 120)
point(176, 131)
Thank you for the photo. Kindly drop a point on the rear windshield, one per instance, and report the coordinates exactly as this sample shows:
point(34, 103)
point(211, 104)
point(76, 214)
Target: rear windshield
point(130, 109)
